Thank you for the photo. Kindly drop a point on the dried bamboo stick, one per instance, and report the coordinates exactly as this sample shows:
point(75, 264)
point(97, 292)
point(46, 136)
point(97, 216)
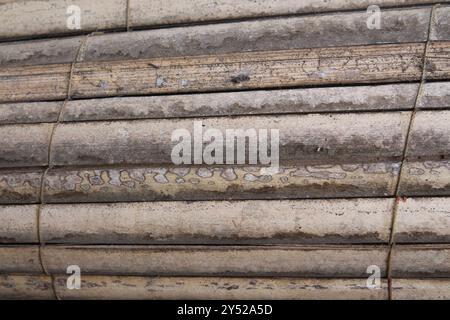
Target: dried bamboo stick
point(222, 222)
point(107, 184)
point(25, 19)
point(104, 287)
point(307, 100)
point(306, 139)
point(408, 261)
point(421, 261)
point(419, 220)
point(420, 289)
point(20, 186)
point(122, 287)
point(25, 287)
point(18, 224)
point(435, 95)
point(252, 70)
point(304, 261)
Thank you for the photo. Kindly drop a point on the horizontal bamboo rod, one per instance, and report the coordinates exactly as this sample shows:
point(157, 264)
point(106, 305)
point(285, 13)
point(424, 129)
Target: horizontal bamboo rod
point(149, 183)
point(420, 289)
point(20, 287)
point(305, 261)
point(408, 261)
point(311, 139)
point(435, 95)
point(307, 100)
point(303, 139)
point(17, 19)
point(225, 72)
point(398, 26)
point(418, 220)
point(223, 222)
point(425, 178)
point(122, 287)
point(421, 261)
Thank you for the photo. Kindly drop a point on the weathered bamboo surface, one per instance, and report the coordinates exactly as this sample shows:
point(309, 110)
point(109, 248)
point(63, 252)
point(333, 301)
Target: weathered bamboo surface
point(128, 287)
point(220, 222)
point(302, 261)
point(420, 289)
point(388, 97)
point(278, 288)
point(306, 139)
point(346, 221)
point(18, 224)
point(224, 72)
point(89, 181)
point(411, 261)
point(26, 287)
point(22, 19)
point(375, 155)
point(148, 183)
point(123, 287)
point(417, 261)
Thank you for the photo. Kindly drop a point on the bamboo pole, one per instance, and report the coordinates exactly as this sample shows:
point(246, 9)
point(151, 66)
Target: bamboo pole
point(389, 97)
point(420, 289)
point(421, 261)
point(22, 287)
point(26, 19)
point(307, 139)
point(305, 261)
point(123, 287)
point(346, 221)
point(342, 261)
point(252, 70)
point(222, 222)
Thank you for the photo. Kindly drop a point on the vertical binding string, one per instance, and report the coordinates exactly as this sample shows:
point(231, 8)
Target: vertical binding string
point(50, 166)
point(398, 196)
point(127, 17)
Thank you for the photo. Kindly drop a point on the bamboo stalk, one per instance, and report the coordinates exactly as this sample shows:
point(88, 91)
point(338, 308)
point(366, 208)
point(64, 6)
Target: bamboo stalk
point(18, 224)
point(304, 261)
point(435, 95)
point(252, 70)
point(419, 220)
point(420, 289)
point(424, 261)
point(423, 220)
point(147, 183)
point(20, 186)
point(430, 177)
point(29, 112)
point(25, 287)
point(307, 139)
point(221, 222)
point(122, 287)
point(103, 287)
point(18, 18)
point(25, 18)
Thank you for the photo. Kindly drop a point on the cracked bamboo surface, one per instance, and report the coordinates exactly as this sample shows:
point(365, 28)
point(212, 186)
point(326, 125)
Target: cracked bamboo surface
point(250, 70)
